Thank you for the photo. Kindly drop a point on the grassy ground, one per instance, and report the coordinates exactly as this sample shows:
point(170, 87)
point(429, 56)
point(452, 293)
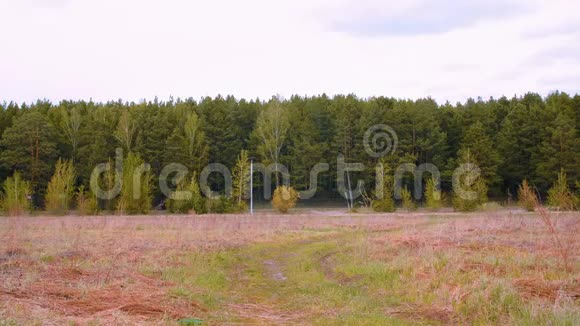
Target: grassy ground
point(315, 267)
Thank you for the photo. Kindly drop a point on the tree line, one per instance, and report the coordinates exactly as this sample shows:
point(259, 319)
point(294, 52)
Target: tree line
point(527, 137)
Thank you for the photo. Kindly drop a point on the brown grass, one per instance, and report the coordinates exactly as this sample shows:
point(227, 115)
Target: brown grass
point(108, 268)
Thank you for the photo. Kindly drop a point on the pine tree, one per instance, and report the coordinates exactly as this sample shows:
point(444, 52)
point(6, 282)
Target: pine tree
point(184, 205)
point(473, 188)
point(29, 147)
point(198, 203)
point(433, 195)
point(95, 142)
point(187, 145)
point(560, 151)
point(560, 196)
point(482, 151)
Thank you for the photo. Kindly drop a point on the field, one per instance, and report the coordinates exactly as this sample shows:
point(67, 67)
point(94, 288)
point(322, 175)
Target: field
point(311, 267)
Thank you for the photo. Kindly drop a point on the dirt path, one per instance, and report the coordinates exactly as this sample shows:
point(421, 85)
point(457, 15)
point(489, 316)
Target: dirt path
point(274, 271)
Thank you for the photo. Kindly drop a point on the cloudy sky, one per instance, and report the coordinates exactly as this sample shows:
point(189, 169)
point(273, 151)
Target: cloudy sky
point(135, 49)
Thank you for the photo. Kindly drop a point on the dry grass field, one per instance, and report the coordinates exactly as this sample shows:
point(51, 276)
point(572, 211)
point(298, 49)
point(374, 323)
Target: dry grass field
point(311, 267)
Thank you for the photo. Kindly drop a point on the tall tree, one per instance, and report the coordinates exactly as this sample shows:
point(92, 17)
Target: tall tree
point(29, 147)
point(126, 130)
point(560, 151)
point(271, 129)
point(70, 124)
point(241, 179)
point(481, 152)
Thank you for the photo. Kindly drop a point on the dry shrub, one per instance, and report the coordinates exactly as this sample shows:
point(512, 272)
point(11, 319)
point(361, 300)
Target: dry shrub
point(285, 198)
point(563, 249)
point(86, 202)
point(526, 196)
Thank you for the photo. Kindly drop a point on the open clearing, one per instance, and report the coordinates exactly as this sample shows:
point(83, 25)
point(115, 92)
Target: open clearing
point(313, 267)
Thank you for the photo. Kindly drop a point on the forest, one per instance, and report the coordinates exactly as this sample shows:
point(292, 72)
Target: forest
point(529, 137)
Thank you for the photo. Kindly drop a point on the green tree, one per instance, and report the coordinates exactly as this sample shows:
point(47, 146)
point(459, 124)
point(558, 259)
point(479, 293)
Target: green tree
point(70, 124)
point(241, 180)
point(433, 195)
point(559, 151)
point(175, 204)
point(126, 130)
point(481, 150)
point(271, 129)
point(194, 201)
point(469, 187)
point(560, 196)
point(187, 145)
point(29, 147)
point(383, 201)
point(15, 198)
point(135, 197)
point(407, 200)
point(96, 142)
point(60, 189)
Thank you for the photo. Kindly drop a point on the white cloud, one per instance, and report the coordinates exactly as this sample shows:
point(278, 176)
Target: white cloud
point(140, 49)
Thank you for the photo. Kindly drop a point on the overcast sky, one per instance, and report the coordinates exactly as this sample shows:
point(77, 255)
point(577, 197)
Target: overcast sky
point(135, 49)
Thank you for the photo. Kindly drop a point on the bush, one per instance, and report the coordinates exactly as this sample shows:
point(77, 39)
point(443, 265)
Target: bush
point(179, 205)
point(86, 202)
point(560, 196)
point(407, 199)
point(60, 191)
point(135, 196)
point(285, 198)
point(491, 206)
point(469, 205)
point(15, 199)
point(433, 195)
point(526, 196)
point(385, 205)
point(220, 205)
point(195, 203)
point(468, 181)
point(198, 203)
